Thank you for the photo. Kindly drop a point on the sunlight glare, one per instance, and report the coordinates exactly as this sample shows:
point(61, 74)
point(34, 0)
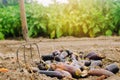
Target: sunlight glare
point(47, 2)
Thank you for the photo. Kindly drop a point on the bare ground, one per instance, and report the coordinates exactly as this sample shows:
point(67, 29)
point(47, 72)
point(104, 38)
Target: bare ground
point(110, 46)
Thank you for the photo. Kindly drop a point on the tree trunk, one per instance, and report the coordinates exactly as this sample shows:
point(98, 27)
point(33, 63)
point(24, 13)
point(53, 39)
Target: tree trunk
point(23, 20)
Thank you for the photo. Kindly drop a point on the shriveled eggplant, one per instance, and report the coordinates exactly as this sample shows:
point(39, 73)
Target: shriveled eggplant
point(47, 57)
point(69, 52)
point(79, 64)
point(63, 55)
point(59, 59)
point(87, 63)
point(75, 71)
point(57, 74)
point(94, 56)
point(55, 53)
point(112, 67)
point(64, 73)
point(95, 63)
point(51, 57)
point(76, 64)
point(100, 72)
point(73, 57)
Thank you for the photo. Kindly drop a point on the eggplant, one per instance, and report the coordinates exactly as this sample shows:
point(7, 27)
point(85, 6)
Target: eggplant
point(57, 74)
point(65, 73)
point(75, 63)
point(87, 63)
point(73, 57)
point(96, 63)
point(82, 65)
point(59, 59)
point(100, 72)
point(63, 55)
point(69, 52)
point(56, 53)
point(94, 56)
point(47, 57)
point(75, 71)
point(113, 68)
point(51, 57)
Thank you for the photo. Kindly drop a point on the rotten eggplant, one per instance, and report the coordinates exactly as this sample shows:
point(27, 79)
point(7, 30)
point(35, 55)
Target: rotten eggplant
point(100, 72)
point(96, 64)
point(73, 57)
point(75, 71)
point(59, 59)
point(69, 52)
point(112, 67)
point(63, 55)
point(65, 73)
point(47, 57)
point(57, 74)
point(51, 57)
point(76, 64)
point(95, 56)
point(56, 53)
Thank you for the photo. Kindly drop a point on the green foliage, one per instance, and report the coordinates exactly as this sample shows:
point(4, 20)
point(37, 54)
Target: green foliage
point(9, 22)
point(1, 36)
point(78, 18)
point(116, 16)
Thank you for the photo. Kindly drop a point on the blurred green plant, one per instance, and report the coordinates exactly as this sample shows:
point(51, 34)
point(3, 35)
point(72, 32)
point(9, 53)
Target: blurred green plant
point(78, 18)
point(9, 22)
point(116, 16)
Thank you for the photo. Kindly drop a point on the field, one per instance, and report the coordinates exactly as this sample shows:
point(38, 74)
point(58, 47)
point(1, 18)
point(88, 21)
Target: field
point(110, 46)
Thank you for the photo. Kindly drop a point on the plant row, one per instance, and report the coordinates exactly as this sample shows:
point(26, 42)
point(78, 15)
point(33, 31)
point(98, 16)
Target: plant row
point(77, 18)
